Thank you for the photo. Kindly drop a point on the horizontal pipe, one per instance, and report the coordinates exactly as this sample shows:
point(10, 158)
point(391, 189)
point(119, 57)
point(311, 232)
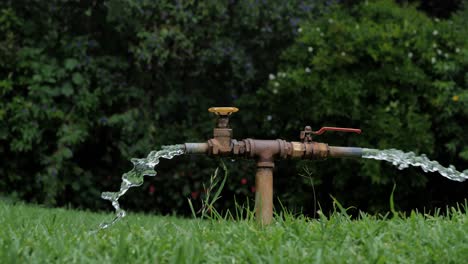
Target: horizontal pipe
point(196, 148)
point(345, 152)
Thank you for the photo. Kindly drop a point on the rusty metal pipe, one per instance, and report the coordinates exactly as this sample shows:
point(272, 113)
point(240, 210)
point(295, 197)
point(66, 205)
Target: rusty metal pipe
point(265, 152)
point(264, 195)
point(345, 152)
point(196, 148)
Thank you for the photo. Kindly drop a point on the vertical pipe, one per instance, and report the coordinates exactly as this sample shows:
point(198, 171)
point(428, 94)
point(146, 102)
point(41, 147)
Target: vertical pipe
point(264, 195)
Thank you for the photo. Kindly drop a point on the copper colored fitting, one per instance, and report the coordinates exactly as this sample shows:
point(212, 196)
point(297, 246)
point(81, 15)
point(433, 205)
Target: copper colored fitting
point(312, 150)
point(266, 151)
point(319, 151)
point(221, 143)
point(297, 150)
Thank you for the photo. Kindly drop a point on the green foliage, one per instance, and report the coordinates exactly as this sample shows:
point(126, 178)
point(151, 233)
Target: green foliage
point(56, 235)
point(86, 85)
point(53, 97)
point(395, 73)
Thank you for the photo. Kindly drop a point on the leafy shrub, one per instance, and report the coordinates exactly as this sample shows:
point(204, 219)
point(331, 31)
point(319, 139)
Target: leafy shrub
point(86, 85)
point(394, 72)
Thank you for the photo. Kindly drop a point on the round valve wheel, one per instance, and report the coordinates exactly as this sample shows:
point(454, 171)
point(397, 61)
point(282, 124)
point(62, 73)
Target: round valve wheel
point(223, 110)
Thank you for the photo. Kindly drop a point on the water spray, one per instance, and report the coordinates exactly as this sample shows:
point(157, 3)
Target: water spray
point(265, 152)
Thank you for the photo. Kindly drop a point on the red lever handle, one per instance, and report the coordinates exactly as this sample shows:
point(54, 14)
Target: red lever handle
point(341, 129)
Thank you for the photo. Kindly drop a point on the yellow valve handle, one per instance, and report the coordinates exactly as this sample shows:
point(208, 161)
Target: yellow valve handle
point(223, 110)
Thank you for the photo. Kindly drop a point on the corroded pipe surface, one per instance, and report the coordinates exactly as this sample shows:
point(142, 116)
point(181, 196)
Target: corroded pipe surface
point(265, 152)
point(264, 195)
point(280, 149)
point(345, 152)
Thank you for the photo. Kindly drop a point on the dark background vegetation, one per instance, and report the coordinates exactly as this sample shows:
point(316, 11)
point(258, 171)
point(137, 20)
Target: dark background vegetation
point(86, 85)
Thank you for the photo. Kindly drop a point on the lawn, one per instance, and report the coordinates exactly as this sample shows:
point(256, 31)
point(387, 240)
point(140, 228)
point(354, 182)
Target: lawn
point(31, 234)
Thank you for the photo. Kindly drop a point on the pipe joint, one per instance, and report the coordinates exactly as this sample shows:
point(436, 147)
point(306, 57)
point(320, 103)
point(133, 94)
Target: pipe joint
point(266, 149)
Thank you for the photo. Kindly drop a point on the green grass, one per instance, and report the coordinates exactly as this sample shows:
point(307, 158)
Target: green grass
point(31, 234)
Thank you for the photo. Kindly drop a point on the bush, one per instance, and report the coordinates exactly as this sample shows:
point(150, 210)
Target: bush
point(394, 72)
point(86, 85)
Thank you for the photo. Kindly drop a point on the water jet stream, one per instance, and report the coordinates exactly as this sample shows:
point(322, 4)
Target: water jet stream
point(266, 152)
point(405, 159)
point(133, 178)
